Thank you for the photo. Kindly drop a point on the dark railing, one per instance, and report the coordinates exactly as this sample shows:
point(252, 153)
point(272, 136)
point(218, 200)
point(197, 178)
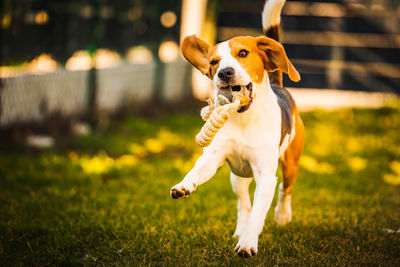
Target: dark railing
point(351, 45)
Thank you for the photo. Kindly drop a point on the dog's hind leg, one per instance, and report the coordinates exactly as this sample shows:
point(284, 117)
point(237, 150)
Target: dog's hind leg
point(290, 166)
point(240, 186)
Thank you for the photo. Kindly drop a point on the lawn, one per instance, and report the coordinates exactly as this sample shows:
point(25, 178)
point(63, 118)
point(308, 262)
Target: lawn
point(103, 199)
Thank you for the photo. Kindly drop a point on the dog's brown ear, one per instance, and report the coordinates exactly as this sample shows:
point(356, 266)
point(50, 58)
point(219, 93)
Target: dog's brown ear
point(195, 50)
point(274, 56)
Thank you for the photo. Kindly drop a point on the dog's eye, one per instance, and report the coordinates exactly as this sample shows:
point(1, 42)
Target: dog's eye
point(243, 53)
point(214, 62)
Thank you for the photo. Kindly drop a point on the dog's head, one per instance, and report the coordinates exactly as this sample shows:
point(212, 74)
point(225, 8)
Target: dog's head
point(237, 64)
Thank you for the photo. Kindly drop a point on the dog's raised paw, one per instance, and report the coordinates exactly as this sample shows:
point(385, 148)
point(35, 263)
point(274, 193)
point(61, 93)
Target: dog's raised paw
point(179, 193)
point(244, 253)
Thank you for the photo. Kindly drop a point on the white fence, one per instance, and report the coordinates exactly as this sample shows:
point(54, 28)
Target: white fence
point(33, 98)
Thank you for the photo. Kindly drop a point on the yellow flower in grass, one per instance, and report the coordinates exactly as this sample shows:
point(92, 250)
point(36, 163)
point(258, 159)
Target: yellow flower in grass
point(102, 163)
point(312, 165)
point(138, 150)
point(164, 140)
point(325, 168)
point(169, 138)
point(153, 145)
point(309, 163)
point(357, 164)
point(97, 164)
point(126, 161)
point(354, 144)
point(394, 177)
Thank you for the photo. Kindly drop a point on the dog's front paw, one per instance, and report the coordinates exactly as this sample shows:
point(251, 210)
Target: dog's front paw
point(181, 191)
point(247, 245)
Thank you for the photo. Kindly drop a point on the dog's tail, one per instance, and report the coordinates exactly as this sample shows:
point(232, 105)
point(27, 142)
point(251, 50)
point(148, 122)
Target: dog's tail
point(271, 21)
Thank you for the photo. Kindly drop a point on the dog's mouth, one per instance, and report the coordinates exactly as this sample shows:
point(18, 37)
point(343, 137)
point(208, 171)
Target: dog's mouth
point(240, 92)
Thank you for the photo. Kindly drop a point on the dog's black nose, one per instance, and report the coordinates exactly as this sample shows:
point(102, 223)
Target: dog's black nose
point(226, 74)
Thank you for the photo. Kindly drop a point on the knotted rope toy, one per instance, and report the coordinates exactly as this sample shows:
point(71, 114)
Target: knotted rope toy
point(217, 115)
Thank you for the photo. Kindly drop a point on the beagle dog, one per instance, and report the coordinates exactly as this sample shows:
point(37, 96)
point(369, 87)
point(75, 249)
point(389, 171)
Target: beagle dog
point(266, 131)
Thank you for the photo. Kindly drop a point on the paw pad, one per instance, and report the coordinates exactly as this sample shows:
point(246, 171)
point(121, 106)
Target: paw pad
point(176, 193)
point(244, 253)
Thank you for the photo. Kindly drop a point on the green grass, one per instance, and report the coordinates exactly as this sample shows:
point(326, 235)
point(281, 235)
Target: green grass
point(104, 199)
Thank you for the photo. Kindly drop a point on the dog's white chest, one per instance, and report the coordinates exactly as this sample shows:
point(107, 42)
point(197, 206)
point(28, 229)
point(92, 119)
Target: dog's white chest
point(238, 163)
point(250, 135)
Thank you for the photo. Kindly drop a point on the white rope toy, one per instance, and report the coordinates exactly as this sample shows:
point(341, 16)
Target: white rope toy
point(216, 117)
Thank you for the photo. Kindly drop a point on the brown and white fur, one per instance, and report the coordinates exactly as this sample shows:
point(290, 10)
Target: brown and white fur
point(254, 139)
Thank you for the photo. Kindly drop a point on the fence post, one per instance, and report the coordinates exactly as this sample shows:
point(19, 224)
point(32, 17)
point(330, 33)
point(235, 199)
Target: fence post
point(95, 35)
point(159, 73)
point(334, 72)
point(92, 94)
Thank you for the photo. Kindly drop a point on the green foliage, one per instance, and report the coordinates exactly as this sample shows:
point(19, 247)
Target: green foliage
point(105, 200)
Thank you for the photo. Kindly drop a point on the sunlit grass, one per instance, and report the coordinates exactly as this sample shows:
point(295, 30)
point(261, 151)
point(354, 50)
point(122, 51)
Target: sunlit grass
point(105, 199)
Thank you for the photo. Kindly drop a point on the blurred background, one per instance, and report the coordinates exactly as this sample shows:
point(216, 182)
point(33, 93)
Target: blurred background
point(98, 57)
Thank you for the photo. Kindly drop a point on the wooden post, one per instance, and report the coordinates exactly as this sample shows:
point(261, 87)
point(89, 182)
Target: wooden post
point(95, 35)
